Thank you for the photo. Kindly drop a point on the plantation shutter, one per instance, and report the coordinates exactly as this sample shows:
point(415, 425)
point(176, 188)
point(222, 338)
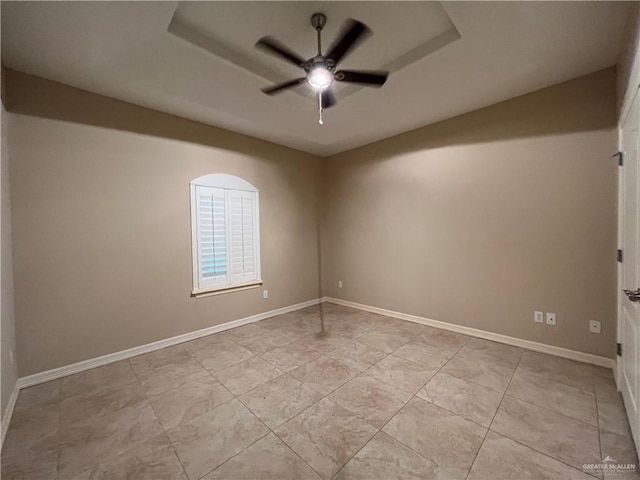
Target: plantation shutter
point(212, 231)
point(242, 224)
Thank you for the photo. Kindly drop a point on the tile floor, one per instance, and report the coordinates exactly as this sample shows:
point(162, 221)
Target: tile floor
point(378, 398)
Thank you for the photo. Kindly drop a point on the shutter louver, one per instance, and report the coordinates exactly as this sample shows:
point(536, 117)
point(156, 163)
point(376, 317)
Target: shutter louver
point(212, 236)
point(243, 236)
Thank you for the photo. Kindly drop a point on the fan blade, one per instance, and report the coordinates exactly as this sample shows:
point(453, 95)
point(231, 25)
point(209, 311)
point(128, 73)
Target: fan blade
point(328, 99)
point(372, 79)
point(283, 86)
point(352, 33)
point(274, 47)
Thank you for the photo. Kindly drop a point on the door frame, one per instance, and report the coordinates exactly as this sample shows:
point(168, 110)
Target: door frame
point(625, 111)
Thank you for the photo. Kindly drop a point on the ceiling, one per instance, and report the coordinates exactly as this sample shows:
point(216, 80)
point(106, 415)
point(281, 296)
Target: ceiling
point(197, 59)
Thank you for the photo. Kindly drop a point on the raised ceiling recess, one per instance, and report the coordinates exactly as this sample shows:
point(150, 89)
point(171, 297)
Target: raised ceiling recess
point(197, 59)
point(229, 31)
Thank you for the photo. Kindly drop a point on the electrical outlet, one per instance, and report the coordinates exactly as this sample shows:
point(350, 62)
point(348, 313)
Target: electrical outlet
point(11, 357)
point(538, 317)
point(339, 283)
point(265, 294)
point(594, 326)
point(551, 318)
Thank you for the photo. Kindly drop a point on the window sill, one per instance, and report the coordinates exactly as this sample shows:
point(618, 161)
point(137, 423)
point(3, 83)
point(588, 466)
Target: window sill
point(226, 289)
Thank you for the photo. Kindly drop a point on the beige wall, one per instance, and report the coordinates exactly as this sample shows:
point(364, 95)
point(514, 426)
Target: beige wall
point(102, 248)
point(478, 220)
point(484, 218)
point(9, 373)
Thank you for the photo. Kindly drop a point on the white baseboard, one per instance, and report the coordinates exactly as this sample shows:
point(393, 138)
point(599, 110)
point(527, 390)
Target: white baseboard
point(474, 332)
point(60, 372)
point(8, 413)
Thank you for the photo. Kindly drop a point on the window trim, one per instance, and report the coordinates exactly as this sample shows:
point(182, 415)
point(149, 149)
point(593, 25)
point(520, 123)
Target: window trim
point(226, 182)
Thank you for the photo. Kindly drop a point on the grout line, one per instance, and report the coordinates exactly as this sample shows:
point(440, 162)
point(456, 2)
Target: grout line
point(164, 430)
point(595, 394)
point(323, 396)
point(495, 414)
point(274, 430)
point(403, 406)
point(524, 444)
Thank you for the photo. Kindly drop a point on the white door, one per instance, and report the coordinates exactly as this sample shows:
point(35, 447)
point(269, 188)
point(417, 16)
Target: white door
point(629, 310)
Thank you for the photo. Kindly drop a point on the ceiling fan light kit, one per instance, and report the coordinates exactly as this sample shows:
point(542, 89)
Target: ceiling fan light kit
point(320, 71)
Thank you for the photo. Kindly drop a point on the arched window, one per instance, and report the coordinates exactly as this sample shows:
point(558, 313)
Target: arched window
point(225, 232)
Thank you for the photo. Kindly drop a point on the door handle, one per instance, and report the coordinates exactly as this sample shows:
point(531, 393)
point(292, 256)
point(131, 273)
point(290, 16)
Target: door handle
point(633, 295)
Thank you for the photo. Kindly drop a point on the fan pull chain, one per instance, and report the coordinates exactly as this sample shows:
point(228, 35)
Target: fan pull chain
point(321, 122)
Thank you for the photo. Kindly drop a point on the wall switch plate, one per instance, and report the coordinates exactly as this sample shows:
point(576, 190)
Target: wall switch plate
point(594, 326)
point(11, 357)
point(538, 317)
point(265, 294)
point(339, 283)
point(551, 318)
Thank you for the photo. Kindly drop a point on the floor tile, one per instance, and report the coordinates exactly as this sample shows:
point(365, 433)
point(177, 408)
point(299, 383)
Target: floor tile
point(43, 393)
point(324, 374)
point(561, 437)
point(27, 465)
point(326, 436)
point(447, 342)
point(170, 371)
point(31, 426)
point(395, 325)
point(211, 439)
point(611, 413)
point(499, 352)
point(108, 423)
point(265, 342)
point(445, 438)
point(388, 341)
point(568, 372)
point(31, 443)
point(357, 356)
point(418, 351)
point(603, 375)
point(621, 450)
point(477, 368)
point(324, 344)
point(152, 460)
point(165, 357)
point(113, 375)
point(191, 400)
point(404, 374)
point(289, 322)
point(89, 443)
point(279, 399)
point(268, 458)
point(291, 356)
point(370, 399)
point(217, 354)
point(500, 458)
point(559, 397)
point(245, 376)
point(473, 402)
point(386, 458)
point(346, 330)
point(101, 405)
point(375, 320)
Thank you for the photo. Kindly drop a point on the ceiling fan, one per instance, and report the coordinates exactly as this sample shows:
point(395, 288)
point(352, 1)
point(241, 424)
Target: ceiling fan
point(320, 71)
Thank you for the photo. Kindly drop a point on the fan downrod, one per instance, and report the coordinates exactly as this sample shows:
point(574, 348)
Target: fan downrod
point(318, 21)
